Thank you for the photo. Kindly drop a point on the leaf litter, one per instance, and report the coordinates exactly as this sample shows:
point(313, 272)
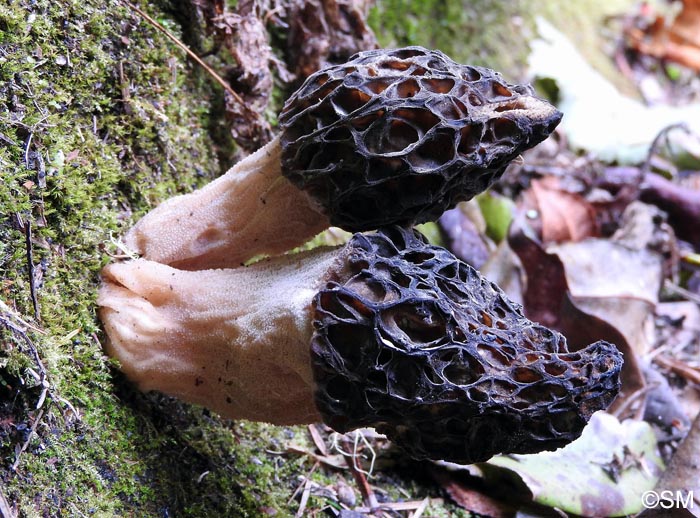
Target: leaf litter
point(599, 250)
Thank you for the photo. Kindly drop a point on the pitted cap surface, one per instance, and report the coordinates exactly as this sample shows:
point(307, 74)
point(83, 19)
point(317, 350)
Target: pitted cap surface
point(417, 344)
point(399, 136)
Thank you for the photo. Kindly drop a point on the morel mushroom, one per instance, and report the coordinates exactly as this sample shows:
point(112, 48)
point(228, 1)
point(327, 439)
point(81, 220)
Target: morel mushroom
point(390, 137)
point(388, 331)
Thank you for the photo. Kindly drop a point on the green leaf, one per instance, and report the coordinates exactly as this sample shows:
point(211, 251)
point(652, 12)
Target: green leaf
point(498, 213)
point(603, 473)
point(432, 232)
point(673, 72)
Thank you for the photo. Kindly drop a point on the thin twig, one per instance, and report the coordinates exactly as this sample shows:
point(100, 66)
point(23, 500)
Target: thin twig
point(368, 496)
point(303, 482)
point(689, 295)
point(682, 369)
point(192, 55)
point(19, 327)
point(691, 259)
point(421, 509)
point(23, 334)
point(7, 140)
point(26, 149)
point(632, 399)
point(7, 315)
point(30, 267)
point(304, 499)
point(5, 510)
point(653, 148)
point(29, 439)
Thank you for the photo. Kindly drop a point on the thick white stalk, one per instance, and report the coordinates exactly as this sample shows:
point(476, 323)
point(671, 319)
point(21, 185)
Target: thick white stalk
point(236, 341)
point(249, 211)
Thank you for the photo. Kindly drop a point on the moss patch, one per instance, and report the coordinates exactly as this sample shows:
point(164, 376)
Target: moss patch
point(496, 34)
point(480, 32)
point(100, 117)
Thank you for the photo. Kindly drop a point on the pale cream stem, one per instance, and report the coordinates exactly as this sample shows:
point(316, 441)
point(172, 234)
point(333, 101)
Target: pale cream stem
point(249, 211)
point(236, 341)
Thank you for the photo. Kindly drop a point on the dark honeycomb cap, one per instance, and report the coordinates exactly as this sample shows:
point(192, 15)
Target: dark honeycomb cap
point(417, 344)
point(399, 136)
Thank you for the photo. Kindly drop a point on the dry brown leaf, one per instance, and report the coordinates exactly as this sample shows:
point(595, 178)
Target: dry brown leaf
point(503, 268)
point(686, 26)
point(565, 216)
point(469, 498)
point(619, 279)
point(614, 283)
point(679, 199)
point(680, 202)
point(547, 300)
point(317, 438)
point(677, 40)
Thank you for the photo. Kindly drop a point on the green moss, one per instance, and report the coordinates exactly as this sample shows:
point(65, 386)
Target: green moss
point(481, 32)
point(101, 117)
point(496, 34)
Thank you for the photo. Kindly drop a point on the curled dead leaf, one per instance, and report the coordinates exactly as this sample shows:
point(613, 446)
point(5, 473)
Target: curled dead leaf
point(470, 498)
point(676, 39)
point(566, 216)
